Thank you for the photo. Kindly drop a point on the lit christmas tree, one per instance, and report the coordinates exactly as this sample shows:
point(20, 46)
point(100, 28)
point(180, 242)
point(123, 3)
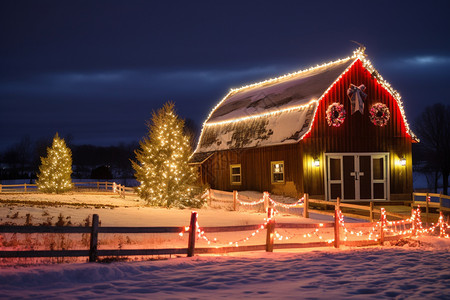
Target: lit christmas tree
point(162, 163)
point(56, 168)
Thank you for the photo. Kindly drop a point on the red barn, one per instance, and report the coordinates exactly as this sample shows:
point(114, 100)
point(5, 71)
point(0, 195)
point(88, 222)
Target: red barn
point(334, 130)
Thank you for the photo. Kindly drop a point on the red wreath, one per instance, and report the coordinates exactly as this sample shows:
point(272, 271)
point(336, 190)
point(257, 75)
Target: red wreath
point(379, 114)
point(335, 114)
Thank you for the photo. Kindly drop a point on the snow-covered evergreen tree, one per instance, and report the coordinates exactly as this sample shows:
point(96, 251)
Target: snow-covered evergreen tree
point(56, 168)
point(162, 167)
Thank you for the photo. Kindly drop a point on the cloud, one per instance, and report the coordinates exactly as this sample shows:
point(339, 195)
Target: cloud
point(427, 60)
point(93, 77)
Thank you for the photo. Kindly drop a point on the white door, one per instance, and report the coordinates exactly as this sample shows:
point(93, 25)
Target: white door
point(357, 176)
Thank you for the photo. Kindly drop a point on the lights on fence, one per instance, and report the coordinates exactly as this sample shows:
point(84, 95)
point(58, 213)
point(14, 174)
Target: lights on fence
point(375, 233)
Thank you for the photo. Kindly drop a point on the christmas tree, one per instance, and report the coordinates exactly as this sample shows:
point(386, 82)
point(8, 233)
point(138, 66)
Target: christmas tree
point(162, 167)
point(56, 168)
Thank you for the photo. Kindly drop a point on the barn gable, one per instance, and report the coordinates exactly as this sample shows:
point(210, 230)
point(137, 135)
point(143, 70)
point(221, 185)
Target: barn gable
point(277, 111)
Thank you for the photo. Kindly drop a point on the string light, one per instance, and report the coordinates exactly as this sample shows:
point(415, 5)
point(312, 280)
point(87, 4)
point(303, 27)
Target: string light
point(372, 235)
point(273, 202)
point(358, 54)
point(56, 168)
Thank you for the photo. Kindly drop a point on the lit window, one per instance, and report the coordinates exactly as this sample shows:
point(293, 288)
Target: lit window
point(235, 174)
point(277, 171)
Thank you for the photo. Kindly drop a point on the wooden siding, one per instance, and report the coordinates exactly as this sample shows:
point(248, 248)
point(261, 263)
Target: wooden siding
point(356, 134)
point(256, 169)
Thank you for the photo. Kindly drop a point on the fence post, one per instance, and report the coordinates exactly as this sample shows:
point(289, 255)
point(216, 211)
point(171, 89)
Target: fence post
point(98, 185)
point(94, 239)
point(413, 221)
point(123, 191)
point(305, 205)
point(441, 224)
point(336, 226)
point(0, 188)
point(266, 200)
point(427, 205)
point(192, 234)
point(371, 212)
point(270, 230)
point(440, 201)
point(382, 224)
point(234, 199)
point(25, 187)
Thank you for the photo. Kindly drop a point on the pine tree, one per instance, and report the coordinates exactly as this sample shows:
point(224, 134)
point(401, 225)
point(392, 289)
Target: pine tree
point(162, 167)
point(56, 168)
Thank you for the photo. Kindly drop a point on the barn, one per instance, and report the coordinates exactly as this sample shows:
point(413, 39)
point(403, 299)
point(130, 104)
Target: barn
point(333, 130)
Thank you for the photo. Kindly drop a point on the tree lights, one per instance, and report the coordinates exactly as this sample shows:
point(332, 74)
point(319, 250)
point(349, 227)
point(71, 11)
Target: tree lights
point(162, 163)
point(56, 168)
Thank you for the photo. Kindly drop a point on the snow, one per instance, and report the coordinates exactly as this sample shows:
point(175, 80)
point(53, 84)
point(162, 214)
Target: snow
point(278, 128)
point(284, 128)
point(280, 94)
point(373, 273)
point(413, 270)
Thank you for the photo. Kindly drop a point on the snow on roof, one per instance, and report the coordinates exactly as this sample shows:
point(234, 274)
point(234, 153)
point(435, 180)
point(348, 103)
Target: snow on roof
point(282, 128)
point(274, 112)
point(294, 91)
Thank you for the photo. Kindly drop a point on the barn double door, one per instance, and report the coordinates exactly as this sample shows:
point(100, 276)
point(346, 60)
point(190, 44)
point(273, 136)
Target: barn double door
point(357, 176)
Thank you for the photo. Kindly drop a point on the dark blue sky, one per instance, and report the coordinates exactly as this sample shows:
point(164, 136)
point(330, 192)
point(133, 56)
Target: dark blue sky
point(97, 69)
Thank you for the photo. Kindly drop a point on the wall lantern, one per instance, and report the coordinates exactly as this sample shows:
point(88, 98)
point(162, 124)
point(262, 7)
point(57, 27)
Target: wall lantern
point(316, 162)
point(403, 161)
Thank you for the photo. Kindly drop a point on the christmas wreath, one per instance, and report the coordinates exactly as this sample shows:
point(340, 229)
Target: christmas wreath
point(379, 114)
point(335, 114)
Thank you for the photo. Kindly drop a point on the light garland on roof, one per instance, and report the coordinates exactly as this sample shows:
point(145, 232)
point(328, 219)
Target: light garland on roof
point(289, 109)
point(358, 54)
point(272, 80)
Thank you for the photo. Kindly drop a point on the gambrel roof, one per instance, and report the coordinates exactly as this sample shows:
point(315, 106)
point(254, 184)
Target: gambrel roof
point(273, 112)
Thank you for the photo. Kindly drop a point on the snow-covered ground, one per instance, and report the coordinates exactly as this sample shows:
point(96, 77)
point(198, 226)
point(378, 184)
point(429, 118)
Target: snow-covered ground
point(371, 273)
point(399, 272)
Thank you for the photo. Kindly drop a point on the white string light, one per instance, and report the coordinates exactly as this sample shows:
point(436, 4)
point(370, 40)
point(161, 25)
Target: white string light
point(358, 54)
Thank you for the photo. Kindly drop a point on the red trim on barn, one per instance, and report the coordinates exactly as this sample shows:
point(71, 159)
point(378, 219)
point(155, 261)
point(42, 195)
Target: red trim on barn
point(358, 74)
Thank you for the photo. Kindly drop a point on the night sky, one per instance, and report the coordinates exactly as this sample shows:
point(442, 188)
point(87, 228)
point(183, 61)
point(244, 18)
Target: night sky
point(97, 69)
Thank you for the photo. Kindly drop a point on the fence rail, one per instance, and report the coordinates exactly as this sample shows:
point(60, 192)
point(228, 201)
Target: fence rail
point(414, 224)
point(93, 185)
point(439, 202)
point(235, 200)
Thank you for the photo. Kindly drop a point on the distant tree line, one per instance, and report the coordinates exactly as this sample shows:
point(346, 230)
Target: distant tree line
point(22, 160)
point(431, 156)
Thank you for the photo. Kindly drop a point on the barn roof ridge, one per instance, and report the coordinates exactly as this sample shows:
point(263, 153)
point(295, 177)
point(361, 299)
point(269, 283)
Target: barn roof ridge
point(233, 91)
point(223, 124)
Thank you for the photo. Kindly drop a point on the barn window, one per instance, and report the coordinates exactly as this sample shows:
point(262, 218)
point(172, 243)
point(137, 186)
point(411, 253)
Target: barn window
point(277, 171)
point(235, 174)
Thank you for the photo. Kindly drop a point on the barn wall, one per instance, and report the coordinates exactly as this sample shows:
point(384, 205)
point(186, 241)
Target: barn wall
point(358, 134)
point(256, 169)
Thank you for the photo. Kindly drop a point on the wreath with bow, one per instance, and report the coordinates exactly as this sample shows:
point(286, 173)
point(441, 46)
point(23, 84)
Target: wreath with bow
point(335, 114)
point(379, 114)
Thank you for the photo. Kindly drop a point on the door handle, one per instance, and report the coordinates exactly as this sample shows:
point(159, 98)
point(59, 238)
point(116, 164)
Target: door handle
point(355, 174)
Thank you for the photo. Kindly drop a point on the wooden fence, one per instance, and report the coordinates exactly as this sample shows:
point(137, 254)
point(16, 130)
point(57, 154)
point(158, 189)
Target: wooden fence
point(194, 232)
point(438, 202)
point(233, 201)
point(94, 185)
